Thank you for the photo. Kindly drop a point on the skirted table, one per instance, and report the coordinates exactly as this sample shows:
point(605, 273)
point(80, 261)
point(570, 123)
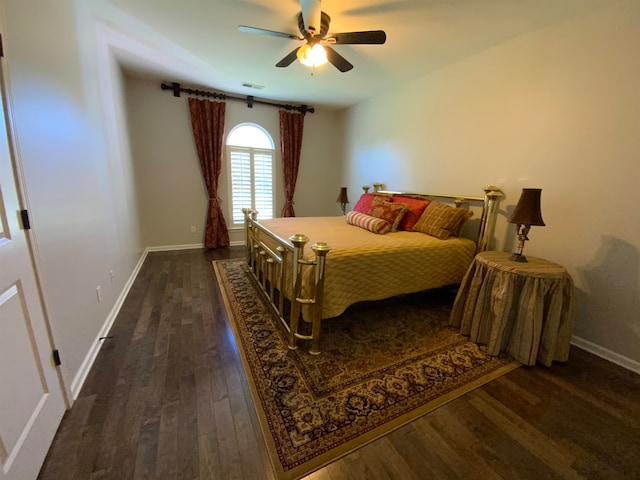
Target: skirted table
point(523, 309)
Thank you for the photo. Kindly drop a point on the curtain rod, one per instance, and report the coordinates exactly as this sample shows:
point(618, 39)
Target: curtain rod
point(177, 89)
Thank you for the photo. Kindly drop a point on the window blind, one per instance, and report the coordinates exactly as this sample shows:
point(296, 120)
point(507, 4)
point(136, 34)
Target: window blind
point(251, 182)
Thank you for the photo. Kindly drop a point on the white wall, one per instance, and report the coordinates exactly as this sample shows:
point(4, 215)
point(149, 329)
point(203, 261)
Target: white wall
point(557, 109)
point(172, 196)
point(76, 168)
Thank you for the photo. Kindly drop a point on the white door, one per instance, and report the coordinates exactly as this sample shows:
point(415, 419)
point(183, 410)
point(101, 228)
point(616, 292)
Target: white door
point(31, 398)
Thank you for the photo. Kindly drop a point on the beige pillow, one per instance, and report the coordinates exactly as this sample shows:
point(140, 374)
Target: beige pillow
point(442, 221)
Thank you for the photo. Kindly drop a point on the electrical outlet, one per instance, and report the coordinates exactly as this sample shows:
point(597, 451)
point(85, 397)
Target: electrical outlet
point(99, 293)
point(193, 229)
point(112, 276)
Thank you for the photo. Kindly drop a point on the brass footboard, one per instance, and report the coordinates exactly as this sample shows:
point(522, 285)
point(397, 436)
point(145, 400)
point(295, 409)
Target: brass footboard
point(267, 263)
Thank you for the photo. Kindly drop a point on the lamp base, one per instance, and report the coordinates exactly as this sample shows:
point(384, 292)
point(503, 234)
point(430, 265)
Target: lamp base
point(518, 257)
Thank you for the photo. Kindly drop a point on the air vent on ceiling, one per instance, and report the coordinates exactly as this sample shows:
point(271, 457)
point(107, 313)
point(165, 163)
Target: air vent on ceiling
point(252, 85)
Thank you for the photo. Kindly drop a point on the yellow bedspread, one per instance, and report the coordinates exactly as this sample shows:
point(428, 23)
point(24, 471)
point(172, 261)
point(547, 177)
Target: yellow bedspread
point(365, 266)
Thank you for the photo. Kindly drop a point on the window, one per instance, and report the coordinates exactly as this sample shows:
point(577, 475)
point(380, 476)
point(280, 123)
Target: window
point(250, 153)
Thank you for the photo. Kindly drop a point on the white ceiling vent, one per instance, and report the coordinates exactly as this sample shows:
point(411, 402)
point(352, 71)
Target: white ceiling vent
point(252, 85)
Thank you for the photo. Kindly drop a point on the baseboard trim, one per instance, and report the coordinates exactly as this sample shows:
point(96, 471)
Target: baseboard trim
point(168, 248)
point(607, 354)
point(87, 363)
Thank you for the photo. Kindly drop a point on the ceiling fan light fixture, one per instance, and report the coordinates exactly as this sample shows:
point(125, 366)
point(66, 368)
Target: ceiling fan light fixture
point(312, 55)
point(313, 24)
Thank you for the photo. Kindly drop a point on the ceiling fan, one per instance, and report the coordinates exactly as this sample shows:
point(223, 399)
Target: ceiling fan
point(313, 24)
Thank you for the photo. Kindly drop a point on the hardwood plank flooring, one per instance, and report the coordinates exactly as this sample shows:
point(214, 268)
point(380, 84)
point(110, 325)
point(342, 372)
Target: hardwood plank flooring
point(167, 398)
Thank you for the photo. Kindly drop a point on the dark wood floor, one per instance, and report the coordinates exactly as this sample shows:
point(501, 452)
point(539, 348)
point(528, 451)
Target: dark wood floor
point(167, 398)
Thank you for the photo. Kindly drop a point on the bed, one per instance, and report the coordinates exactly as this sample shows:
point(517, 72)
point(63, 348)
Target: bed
point(348, 263)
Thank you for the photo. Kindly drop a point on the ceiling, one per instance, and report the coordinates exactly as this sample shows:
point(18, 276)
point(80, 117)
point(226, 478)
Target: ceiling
point(197, 42)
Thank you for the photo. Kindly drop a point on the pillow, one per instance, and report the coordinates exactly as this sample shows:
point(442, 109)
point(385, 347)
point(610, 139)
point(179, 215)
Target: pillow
point(416, 208)
point(373, 224)
point(442, 221)
point(388, 211)
point(366, 201)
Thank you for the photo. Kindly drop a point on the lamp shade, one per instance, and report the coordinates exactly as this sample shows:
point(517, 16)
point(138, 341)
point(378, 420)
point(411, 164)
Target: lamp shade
point(342, 196)
point(312, 55)
point(527, 211)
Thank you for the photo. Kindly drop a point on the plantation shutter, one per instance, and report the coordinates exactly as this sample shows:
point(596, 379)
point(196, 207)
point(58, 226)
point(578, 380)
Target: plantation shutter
point(251, 182)
point(263, 184)
point(240, 182)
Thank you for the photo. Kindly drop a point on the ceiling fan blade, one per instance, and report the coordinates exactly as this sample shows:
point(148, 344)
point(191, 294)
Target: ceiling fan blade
point(311, 15)
point(262, 31)
point(372, 37)
point(289, 59)
point(337, 60)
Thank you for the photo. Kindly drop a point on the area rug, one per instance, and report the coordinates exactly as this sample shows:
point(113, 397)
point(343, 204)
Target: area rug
point(382, 365)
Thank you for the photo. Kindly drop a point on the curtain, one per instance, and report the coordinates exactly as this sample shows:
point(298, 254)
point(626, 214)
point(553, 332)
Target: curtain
point(207, 122)
point(291, 126)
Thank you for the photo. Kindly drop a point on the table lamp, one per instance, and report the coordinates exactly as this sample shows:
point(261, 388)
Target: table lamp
point(343, 199)
point(526, 214)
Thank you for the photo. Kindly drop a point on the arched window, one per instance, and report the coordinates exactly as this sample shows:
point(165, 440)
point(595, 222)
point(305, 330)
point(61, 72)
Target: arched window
point(250, 153)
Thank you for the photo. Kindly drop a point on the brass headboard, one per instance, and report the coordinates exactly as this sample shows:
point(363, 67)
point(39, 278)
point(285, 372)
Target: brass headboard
point(488, 203)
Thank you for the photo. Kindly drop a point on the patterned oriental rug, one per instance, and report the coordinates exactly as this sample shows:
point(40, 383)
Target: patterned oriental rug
point(382, 365)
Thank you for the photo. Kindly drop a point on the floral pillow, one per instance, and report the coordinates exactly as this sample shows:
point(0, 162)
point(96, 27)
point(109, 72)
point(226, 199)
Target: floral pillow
point(416, 208)
point(442, 221)
point(388, 211)
point(373, 224)
point(365, 202)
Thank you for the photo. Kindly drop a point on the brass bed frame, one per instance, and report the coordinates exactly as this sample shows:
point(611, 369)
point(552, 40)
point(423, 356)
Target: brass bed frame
point(267, 264)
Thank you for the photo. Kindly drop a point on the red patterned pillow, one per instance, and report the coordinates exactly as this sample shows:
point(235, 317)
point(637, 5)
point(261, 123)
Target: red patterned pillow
point(388, 211)
point(373, 224)
point(442, 221)
point(416, 208)
point(365, 202)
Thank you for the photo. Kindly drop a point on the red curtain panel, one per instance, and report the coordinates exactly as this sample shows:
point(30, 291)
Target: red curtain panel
point(207, 122)
point(291, 127)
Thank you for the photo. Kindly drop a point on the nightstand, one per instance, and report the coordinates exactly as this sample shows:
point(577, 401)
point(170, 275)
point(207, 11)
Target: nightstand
point(523, 309)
